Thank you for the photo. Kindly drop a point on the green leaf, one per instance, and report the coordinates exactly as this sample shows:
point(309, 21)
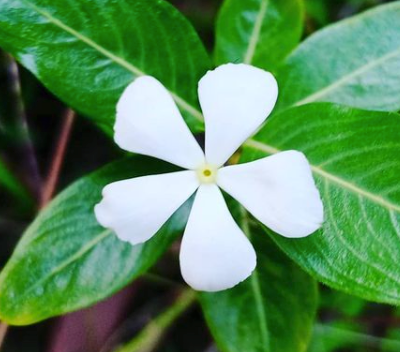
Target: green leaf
point(149, 338)
point(355, 62)
point(318, 10)
point(355, 161)
point(87, 51)
point(258, 32)
point(329, 338)
point(272, 311)
point(13, 185)
point(67, 261)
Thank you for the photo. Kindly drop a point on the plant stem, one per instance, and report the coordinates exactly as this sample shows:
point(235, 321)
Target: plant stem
point(13, 185)
point(27, 146)
point(32, 167)
point(148, 339)
point(161, 280)
point(3, 332)
point(48, 190)
point(58, 157)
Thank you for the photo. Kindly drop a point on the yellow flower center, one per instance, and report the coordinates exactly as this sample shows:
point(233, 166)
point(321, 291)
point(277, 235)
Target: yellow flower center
point(207, 173)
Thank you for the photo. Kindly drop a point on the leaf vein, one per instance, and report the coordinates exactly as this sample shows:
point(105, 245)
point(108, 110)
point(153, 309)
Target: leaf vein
point(349, 248)
point(345, 79)
point(82, 251)
point(255, 35)
point(395, 223)
point(255, 285)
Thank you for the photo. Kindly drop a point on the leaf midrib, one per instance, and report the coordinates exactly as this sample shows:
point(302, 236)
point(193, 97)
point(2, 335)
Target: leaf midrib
point(182, 103)
point(70, 260)
point(255, 286)
point(255, 35)
point(330, 177)
point(316, 96)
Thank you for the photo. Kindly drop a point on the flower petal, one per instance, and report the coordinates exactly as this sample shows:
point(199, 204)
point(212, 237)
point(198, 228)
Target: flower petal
point(135, 209)
point(235, 99)
point(215, 254)
point(148, 122)
point(279, 191)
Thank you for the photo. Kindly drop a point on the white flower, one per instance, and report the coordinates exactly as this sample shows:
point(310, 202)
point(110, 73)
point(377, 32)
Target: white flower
point(278, 190)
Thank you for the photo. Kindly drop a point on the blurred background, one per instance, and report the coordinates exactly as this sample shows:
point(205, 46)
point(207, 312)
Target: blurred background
point(35, 127)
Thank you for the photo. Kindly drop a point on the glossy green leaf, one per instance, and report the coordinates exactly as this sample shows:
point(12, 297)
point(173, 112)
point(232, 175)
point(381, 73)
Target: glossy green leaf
point(354, 62)
point(355, 162)
point(272, 311)
point(88, 51)
point(258, 32)
point(67, 261)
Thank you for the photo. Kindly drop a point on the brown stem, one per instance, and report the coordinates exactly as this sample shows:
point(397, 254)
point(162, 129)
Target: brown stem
point(3, 332)
point(58, 157)
point(27, 146)
point(51, 182)
point(32, 167)
point(44, 194)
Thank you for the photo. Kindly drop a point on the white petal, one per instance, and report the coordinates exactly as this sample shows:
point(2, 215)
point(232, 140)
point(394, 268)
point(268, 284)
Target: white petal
point(135, 209)
point(279, 191)
point(148, 122)
point(235, 99)
point(215, 254)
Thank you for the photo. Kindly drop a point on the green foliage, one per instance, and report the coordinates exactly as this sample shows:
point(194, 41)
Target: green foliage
point(318, 11)
point(9, 182)
point(355, 62)
point(87, 51)
point(273, 310)
point(149, 338)
point(346, 337)
point(341, 303)
point(258, 32)
point(67, 261)
point(355, 160)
